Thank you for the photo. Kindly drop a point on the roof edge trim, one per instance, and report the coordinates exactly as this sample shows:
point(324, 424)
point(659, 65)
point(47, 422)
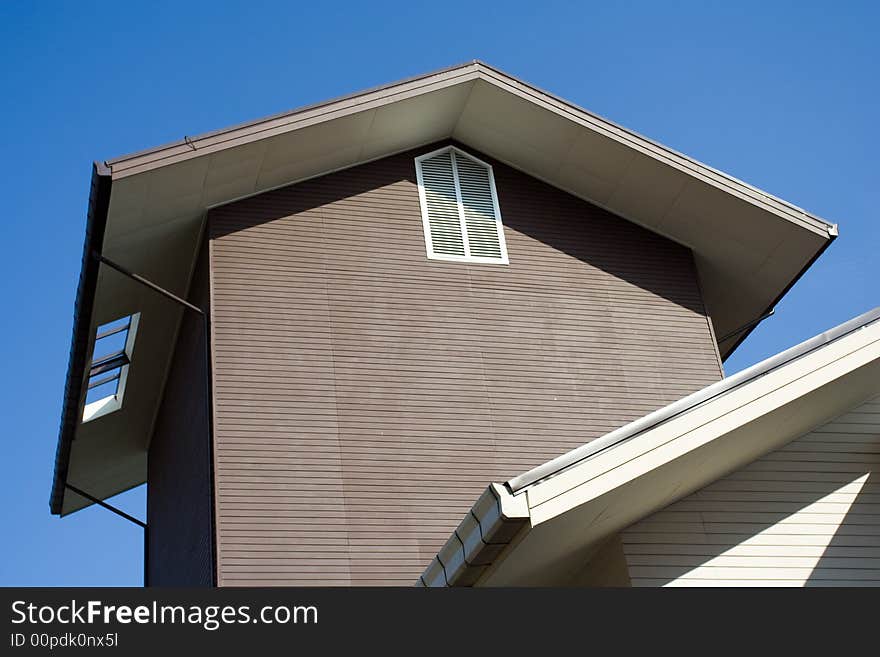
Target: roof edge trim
point(691, 166)
point(249, 131)
point(96, 222)
point(250, 128)
point(518, 484)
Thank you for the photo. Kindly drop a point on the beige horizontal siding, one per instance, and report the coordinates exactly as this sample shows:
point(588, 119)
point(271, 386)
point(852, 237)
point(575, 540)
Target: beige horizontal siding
point(807, 514)
point(365, 395)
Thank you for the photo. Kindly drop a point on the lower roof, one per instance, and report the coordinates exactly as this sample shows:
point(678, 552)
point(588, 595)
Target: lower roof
point(147, 212)
point(536, 529)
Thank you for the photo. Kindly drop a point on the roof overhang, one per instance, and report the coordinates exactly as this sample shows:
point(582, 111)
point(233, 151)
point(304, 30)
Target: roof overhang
point(749, 246)
point(541, 528)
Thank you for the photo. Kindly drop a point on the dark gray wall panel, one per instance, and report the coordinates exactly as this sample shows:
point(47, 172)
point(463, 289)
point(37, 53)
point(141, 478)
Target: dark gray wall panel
point(178, 485)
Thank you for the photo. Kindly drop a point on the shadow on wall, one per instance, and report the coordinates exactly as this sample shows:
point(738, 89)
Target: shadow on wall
point(852, 556)
point(805, 515)
point(529, 207)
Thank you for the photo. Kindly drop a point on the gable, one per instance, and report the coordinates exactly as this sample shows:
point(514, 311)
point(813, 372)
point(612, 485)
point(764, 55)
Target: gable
point(352, 368)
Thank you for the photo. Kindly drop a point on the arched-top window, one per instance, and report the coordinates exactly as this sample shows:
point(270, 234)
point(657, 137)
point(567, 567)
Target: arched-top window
point(460, 211)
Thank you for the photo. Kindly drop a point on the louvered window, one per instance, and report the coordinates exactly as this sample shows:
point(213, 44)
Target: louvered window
point(460, 208)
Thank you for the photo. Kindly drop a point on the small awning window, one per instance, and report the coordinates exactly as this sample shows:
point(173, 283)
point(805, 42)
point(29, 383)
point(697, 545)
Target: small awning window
point(108, 369)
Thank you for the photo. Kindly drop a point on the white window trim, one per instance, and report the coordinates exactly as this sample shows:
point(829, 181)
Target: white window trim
point(426, 226)
point(105, 405)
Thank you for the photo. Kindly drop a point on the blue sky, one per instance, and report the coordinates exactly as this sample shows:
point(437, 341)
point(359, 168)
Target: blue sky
point(783, 95)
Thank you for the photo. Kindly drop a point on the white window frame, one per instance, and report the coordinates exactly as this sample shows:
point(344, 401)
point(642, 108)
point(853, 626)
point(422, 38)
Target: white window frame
point(423, 202)
point(111, 403)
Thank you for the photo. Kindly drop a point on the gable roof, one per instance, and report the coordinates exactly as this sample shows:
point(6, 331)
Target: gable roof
point(537, 527)
point(147, 212)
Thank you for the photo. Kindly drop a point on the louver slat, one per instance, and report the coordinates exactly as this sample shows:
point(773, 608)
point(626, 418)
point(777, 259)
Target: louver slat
point(479, 208)
point(442, 205)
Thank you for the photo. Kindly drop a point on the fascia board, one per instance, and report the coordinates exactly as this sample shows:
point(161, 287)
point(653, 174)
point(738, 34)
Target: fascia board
point(691, 402)
point(81, 341)
point(212, 142)
point(659, 152)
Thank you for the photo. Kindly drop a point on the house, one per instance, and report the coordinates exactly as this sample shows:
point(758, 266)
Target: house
point(317, 337)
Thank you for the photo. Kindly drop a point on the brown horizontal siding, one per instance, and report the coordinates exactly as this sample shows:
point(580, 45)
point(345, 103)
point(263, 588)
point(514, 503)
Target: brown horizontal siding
point(365, 395)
